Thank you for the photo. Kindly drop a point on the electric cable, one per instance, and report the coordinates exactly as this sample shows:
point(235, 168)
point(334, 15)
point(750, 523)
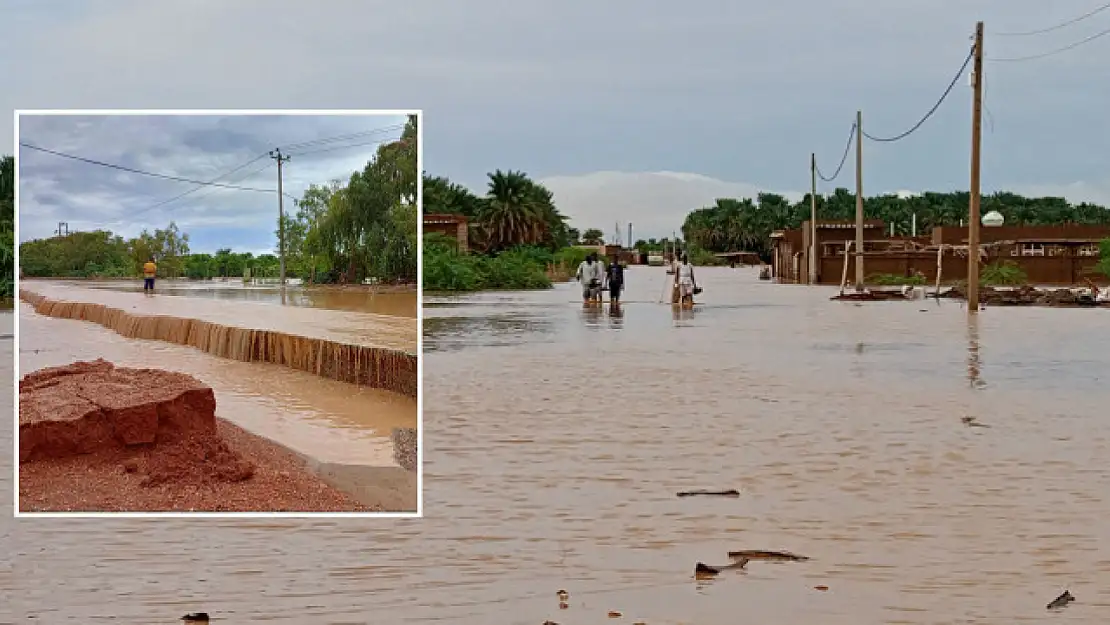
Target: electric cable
point(1056, 27)
point(340, 147)
point(955, 79)
point(142, 172)
point(843, 158)
point(1033, 57)
point(356, 135)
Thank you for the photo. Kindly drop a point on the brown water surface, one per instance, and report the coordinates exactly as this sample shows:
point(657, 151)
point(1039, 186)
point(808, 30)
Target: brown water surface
point(377, 300)
point(354, 328)
point(558, 437)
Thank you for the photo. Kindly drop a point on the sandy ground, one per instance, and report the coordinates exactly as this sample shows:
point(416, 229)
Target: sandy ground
point(105, 481)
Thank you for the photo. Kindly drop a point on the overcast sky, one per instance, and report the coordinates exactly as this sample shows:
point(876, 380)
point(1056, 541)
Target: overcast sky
point(53, 188)
point(598, 96)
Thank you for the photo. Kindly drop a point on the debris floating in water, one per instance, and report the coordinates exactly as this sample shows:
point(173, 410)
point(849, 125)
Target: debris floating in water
point(973, 422)
point(710, 493)
point(1061, 601)
point(196, 617)
point(781, 556)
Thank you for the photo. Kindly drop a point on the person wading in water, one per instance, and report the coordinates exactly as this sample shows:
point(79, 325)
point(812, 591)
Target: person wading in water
point(615, 280)
point(149, 271)
point(590, 276)
point(685, 282)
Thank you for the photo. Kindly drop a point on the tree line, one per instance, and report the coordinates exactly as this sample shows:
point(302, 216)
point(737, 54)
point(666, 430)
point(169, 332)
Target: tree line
point(518, 238)
point(7, 227)
point(365, 227)
point(746, 225)
point(342, 232)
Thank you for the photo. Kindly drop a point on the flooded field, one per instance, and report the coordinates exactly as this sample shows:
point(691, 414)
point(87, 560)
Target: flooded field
point(559, 437)
point(352, 298)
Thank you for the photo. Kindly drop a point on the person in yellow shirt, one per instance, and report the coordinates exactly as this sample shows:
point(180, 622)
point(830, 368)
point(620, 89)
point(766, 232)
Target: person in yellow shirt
point(149, 271)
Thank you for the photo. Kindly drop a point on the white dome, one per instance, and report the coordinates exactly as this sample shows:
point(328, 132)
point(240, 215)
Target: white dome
point(993, 218)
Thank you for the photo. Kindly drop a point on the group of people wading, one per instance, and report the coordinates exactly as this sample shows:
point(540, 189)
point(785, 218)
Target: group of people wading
point(595, 278)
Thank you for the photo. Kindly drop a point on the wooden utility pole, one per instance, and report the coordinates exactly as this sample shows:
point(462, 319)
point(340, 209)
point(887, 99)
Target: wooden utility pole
point(276, 155)
point(859, 201)
point(976, 144)
point(812, 218)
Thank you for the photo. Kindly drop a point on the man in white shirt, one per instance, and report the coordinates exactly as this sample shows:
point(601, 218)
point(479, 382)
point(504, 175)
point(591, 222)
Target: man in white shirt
point(685, 281)
point(590, 276)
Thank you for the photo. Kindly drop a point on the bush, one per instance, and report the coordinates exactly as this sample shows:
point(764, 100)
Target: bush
point(445, 269)
point(1003, 273)
point(1103, 265)
point(702, 257)
point(892, 279)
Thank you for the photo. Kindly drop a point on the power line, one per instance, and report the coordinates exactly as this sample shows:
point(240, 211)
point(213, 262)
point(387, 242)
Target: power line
point(198, 188)
point(357, 135)
point(936, 106)
point(340, 147)
point(843, 158)
point(1058, 26)
point(141, 172)
point(1053, 52)
point(265, 154)
point(247, 176)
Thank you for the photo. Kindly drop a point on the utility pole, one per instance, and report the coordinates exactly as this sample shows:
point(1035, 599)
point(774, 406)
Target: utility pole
point(859, 201)
point(976, 144)
point(276, 155)
point(813, 218)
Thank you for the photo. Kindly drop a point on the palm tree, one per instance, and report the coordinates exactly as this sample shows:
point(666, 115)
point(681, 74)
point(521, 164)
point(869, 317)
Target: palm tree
point(513, 213)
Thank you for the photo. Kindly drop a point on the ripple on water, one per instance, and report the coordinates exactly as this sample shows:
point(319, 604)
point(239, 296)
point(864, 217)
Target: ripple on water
point(557, 442)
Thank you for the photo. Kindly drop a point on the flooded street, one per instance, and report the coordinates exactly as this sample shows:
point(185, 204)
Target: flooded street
point(559, 437)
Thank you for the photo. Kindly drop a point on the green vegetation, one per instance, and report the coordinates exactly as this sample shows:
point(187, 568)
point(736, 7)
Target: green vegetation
point(1103, 265)
point(518, 239)
point(744, 225)
point(366, 228)
point(891, 279)
point(340, 233)
point(7, 227)
point(1003, 273)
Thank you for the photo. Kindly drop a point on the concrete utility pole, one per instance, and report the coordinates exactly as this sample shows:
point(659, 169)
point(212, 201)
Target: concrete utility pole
point(276, 155)
point(976, 144)
point(859, 201)
point(813, 218)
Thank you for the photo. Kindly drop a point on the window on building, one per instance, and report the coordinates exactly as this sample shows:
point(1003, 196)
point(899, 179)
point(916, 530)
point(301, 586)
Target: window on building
point(1088, 249)
point(1030, 249)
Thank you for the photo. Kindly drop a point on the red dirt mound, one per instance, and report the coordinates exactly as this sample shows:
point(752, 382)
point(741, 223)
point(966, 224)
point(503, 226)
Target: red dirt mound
point(86, 407)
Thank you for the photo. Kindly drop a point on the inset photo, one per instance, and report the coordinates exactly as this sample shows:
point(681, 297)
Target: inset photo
point(217, 313)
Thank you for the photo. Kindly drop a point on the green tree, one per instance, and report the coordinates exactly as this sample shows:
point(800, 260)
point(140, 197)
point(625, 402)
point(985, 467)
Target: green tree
point(593, 236)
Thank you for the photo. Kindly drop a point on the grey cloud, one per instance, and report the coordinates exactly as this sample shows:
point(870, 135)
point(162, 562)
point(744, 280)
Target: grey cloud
point(195, 147)
point(736, 91)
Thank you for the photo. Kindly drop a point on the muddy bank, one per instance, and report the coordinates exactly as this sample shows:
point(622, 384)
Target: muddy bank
point(1027, 296)
point(377, 367)
point(95, 437)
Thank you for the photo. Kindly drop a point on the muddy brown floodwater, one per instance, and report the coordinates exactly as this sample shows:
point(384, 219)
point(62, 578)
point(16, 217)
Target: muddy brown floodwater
point(558, 439)
point(393, 301)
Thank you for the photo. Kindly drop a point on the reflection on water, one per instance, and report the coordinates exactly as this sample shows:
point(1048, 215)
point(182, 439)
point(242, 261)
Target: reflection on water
point(556, 448)
point(353, 298)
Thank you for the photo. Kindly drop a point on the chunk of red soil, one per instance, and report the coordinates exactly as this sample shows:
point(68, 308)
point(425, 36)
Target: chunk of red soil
point(85, 406)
